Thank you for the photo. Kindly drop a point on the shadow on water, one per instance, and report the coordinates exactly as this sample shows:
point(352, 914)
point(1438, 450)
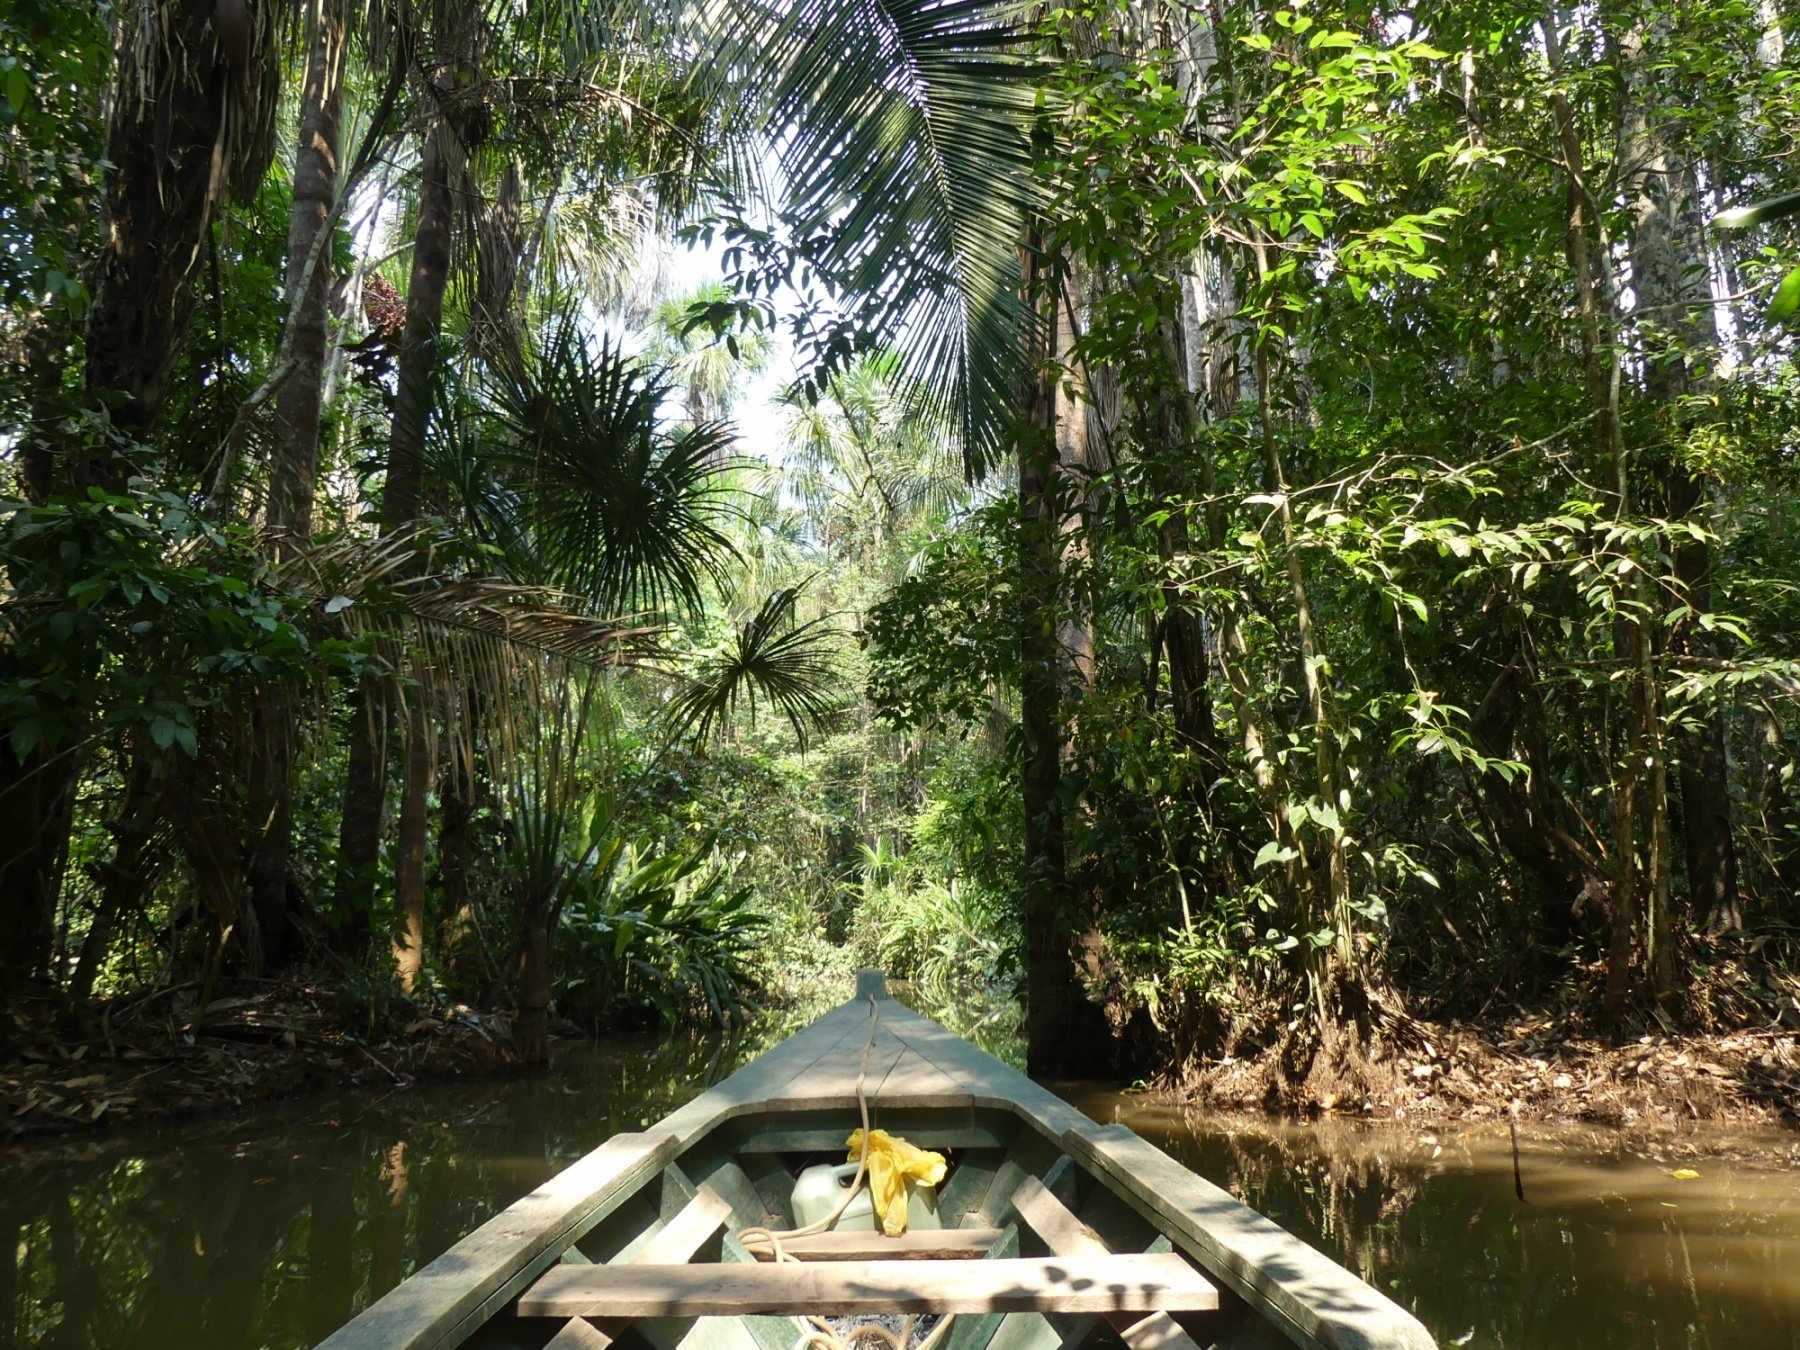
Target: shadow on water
point(270, 1231)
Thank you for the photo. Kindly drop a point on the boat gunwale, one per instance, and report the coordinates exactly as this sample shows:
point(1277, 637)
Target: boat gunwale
point(1307, 1296)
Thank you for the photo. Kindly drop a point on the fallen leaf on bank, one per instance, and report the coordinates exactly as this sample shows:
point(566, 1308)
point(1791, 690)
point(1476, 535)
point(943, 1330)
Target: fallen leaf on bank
point(1685, 1174)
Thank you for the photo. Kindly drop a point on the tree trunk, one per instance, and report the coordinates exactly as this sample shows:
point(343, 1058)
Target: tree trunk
point(457, 803)
point(1597, 304)
point(1669, 273)
point(409, 849)
point(403, 492)
point(359, 826)
point(161, 193)
point(1062, 1039)
point(37, 800)
point(293, 460)
point(1329, 885)
point(307, 284)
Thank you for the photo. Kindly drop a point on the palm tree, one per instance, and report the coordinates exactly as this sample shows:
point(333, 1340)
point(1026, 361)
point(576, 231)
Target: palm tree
point(611, 504)
point(872, 461)
point(709, 368)
point(904, 141)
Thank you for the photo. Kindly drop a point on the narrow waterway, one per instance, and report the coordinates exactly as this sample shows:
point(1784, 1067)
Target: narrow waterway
point(269, 1231)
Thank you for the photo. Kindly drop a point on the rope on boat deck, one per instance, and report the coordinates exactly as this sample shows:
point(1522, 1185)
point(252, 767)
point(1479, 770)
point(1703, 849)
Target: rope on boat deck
point(819, 1334)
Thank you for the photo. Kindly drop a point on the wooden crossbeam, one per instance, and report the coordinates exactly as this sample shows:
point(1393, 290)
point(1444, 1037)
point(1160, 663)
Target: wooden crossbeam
point(919, 1244)
point(1066, 1235)
point(1096, 1284)
point(675, 1242)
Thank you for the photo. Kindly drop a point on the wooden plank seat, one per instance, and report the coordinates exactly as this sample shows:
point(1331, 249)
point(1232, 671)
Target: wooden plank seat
point(1086, 1284)
point(676, 1241)
point(919, 1244)
point(1066, 1235)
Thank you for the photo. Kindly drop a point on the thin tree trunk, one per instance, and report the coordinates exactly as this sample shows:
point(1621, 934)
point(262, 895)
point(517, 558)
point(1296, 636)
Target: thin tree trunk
point(409, 849)
point(401, 500)
point(359, 825)
point(1060, 1040)
point(457, 801)
point(1597, 306)
point(420, 359)
point(295, 452)
point(1332, 902)
point(293, 461)
point(1670, 275)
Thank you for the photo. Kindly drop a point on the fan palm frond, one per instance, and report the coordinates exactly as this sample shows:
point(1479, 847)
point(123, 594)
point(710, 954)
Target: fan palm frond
point(619, 509)
point(770, 657)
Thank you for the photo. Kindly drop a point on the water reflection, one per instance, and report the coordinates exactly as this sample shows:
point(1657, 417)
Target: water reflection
point(1609, 1248)
point(271, 1231)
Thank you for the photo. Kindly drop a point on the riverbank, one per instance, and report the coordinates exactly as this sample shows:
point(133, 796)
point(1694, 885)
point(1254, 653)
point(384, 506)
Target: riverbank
point(1539, 1069)
point(165, 1058)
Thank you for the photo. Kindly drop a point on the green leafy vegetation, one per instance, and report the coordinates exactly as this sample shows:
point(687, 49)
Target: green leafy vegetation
point(1278, 526)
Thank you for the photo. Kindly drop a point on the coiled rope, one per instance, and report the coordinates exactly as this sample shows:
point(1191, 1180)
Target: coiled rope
point(818, 1333)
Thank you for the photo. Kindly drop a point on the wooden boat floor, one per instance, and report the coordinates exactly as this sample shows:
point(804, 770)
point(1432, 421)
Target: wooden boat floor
point(1087, 1284)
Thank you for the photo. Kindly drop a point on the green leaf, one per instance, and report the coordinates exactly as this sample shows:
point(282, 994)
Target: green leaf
point(1272, 852)
point(27, 732)
point(1760, 213)
point(1786, 299)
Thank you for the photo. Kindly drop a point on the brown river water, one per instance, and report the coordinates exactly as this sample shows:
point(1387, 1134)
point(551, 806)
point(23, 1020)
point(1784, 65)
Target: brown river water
point(270, 1230)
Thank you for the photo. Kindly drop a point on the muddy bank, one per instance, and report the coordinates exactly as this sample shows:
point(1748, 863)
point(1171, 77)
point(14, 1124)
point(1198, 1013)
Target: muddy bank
point(1529, 1070)
point(165, 1058)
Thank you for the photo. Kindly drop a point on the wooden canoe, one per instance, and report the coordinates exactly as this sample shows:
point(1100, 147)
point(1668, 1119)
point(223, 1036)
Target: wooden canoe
point(1056, 1230)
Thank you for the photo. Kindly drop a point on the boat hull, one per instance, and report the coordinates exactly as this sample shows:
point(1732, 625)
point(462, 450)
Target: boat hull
point(1072, 1206)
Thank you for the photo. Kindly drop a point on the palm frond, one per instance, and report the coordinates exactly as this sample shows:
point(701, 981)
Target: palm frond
point(904, 130)
point(770, 657)
point(532, 616)
point(619, 509)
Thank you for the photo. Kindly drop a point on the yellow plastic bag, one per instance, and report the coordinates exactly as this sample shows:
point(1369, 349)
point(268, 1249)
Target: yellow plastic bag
point(891, 1163)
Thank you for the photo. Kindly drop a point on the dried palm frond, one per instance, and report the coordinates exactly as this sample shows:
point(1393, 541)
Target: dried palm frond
point(537, 617)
